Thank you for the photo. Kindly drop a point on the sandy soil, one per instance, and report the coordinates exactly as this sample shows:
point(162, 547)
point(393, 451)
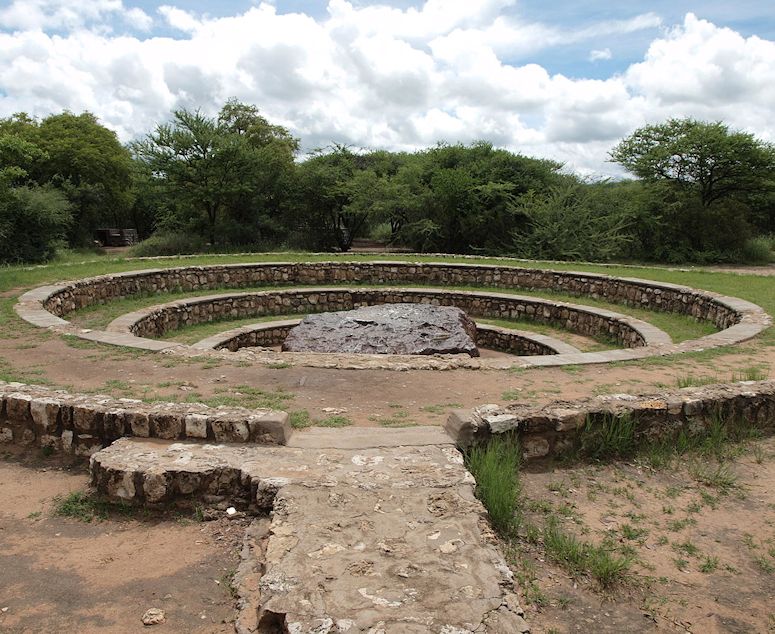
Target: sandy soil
point(368, 396)
point(704, 555)
point(65, 575)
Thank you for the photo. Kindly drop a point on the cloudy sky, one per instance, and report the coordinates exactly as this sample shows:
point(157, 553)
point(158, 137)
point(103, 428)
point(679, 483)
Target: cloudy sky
point(561, 79)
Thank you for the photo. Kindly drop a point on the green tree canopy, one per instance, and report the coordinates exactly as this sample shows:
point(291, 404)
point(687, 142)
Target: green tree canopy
point(214, 168)
point(705, 158)
point(78, 156)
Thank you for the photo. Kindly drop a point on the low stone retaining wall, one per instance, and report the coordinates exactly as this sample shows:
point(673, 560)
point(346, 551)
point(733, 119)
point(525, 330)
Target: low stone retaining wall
point(273, 333)
point(740, 320)
point(553, 429)
point(83, 424)
point(662, 296)
point(584, 320)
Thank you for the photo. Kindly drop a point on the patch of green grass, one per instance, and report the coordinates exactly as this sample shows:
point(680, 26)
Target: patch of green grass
point(10, 374)
point(440, 408)
point(81, 344)
point(678, 525)
point(334, 421)
point(300, 419)
point(244, 396)
point(632, 533)
point(86, 508)
point(612, 437)
point(511, 395)
point(720, 477)
point(580, 557)
point(495, 466)
point(709, 564)
point(690, 380)
point(227, 583)
point(681, 563)
point(754, 373)
point(687, 548)
point(764, 564)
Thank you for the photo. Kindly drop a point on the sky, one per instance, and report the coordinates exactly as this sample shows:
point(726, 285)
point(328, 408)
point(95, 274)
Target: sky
point(561, 80)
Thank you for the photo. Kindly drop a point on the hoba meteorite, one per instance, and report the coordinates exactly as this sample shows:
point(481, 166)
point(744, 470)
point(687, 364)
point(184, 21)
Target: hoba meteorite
point(387, 329)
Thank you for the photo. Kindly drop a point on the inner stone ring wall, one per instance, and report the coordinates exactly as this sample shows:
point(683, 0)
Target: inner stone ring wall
point(738, 319)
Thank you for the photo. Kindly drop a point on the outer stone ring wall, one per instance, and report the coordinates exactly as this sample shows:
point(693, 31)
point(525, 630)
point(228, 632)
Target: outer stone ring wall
point(738, 319)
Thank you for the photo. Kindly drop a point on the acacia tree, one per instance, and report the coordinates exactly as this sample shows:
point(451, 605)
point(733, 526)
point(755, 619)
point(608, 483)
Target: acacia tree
point(213, 166)
point(708, 187)
point(706, 159)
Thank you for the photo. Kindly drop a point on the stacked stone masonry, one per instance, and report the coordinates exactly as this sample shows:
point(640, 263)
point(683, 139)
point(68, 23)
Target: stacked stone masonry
point(590, 322)
point(738, 320)
point(552, 429)
point(81, 424)
point(633, 292)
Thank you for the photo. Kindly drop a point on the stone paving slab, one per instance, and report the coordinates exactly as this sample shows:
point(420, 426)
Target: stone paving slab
point(362, 539)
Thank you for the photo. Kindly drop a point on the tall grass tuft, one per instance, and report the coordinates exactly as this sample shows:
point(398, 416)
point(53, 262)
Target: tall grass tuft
point(495, 465)
point(612, 437)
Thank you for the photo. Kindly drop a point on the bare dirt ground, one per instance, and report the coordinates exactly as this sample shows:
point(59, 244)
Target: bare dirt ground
point(368, 396)
point(62, 574)
point(703, 546)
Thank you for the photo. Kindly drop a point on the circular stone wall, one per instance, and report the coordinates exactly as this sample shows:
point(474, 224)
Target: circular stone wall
point(737, 319)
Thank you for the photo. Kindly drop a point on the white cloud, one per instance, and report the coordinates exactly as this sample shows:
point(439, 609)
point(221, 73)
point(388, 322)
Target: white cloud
point(69, 15)
point(139, 19)
point(379, 76)
point(179, 19)
point(596, 55)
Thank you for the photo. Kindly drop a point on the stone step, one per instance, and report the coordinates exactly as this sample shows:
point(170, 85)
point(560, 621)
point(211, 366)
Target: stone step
point(361, 538)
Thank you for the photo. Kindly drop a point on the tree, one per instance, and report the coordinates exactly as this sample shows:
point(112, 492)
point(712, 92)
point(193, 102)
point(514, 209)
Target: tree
point(469, 199)
point(214, 168)
point(86, 161)
point(705, 159)
point(709, 189)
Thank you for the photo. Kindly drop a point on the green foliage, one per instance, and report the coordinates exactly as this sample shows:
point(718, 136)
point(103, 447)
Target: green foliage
point(609, 438)
point(580, 557)
point(87, 508)
point(707, 189)
point(759, 250)
point(223, 178)
point(335, 421)
point(495, 466)
point(300, 419)
point(79, 157)
point(574, 221)
point(33, 223)
point(707, 159)
point(169, 243)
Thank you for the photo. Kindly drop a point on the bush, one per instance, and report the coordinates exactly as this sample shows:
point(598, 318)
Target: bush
point(760, 250)
point(169, 244)
point(574, 222)
point(33, 223)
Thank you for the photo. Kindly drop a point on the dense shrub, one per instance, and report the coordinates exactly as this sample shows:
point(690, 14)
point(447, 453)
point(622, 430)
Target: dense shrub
point(574, 222)
point(33, 223)
point(760, 250)
point(169, 244)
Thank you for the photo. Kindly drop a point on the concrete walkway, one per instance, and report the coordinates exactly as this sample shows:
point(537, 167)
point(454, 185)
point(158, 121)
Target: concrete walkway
point(371, 530)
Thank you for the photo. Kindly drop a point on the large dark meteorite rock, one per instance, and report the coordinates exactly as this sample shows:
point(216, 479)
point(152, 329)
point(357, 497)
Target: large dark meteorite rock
point(387, 329)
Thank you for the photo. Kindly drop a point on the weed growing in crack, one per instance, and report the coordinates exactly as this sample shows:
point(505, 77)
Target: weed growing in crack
point(495, 466)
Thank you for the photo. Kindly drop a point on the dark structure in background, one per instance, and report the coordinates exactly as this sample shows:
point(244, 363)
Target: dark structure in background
point(116, 237)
